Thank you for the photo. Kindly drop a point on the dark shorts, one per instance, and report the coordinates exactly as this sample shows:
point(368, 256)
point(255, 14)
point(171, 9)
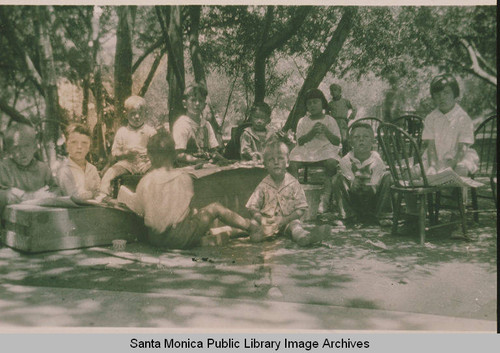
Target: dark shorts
point(186, 234)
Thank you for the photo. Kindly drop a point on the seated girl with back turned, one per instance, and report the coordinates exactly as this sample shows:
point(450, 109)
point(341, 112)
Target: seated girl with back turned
point(163, 198)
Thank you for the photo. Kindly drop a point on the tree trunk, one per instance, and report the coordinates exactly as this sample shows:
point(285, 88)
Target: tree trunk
point(50, 127)
point(321, 65)
point(175, 66)
point(152, 72)
point(194, 45)
point(267, 45)
point(123, 63)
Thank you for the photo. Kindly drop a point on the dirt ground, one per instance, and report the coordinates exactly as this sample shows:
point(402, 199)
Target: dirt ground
point(356, 279)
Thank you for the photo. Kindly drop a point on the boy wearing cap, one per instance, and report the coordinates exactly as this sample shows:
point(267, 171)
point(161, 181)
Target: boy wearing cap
point(448, 131)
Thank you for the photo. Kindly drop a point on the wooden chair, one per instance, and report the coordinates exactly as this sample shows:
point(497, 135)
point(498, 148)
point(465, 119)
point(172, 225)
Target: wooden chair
point(485, 144)
point(413, 125)
point(403, 156)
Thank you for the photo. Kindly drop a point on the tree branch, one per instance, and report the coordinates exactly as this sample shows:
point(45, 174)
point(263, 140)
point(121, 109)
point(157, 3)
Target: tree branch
point(290, 29)
point(13, 113)
point(475, 66)
point(146, 53)
point(152, 72)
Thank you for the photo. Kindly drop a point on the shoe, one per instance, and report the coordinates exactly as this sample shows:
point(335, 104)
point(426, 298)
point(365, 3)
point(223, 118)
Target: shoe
point(384, 222)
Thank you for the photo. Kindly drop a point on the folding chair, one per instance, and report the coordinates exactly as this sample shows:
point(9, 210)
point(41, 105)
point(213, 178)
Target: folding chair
point(485, 144)
point(403, 156)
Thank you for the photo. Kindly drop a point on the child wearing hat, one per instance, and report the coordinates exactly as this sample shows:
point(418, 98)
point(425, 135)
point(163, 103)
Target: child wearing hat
point(318, 142)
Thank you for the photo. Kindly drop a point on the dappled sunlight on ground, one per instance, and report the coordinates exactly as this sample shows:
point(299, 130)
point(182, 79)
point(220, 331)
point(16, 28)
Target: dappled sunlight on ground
point(367, 276)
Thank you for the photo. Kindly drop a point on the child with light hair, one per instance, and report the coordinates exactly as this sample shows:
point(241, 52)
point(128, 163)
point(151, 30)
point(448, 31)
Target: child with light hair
point(129, 145)
point(22, 177)
point(278, 202)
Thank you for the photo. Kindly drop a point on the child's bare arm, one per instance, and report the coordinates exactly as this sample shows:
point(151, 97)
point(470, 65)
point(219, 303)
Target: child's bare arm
point(308, 136)
point(334, 139)
point(431, 153)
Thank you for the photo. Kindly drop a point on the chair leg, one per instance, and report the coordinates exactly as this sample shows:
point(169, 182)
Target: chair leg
point(421, 218)
point(396, 210)
point(437, 207)
point(474, 204)
point(461, 209)
point(430, 206)
point(494, 191)
point(305, 174)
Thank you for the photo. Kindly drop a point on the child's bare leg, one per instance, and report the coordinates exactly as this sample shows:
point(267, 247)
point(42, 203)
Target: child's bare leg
point(111, 173)
point(330, 166)
point(216, 211)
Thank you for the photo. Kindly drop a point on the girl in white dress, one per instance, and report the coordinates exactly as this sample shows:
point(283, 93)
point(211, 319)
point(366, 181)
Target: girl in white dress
point(318, 142)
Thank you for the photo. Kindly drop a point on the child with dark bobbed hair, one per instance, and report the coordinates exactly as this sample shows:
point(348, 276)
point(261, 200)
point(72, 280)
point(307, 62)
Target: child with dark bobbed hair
point(318, 142)
point(448, 131)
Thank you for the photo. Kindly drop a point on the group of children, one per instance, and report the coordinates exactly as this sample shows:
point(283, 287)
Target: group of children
point(359, 180)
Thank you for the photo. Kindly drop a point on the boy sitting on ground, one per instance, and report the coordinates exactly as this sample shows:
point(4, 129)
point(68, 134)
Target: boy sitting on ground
point(129, 145)
point(163, 198)
point(362, 187)
point(254, 137)
point(278, 202)
point(76, 176)
point(22, 177)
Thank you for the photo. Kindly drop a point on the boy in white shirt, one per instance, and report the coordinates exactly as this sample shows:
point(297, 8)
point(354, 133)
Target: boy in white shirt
point(77, 177)
point(362, 188)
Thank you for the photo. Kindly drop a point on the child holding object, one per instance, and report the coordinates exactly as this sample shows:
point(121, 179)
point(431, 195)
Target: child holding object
point(77, 177)
point(129, 145)
point(254, 137)
point(448, 131)
point(22, 177)
point(194, 137)
point(362, 188)
point(163, 198)
point(278, 202)
point(318, 141)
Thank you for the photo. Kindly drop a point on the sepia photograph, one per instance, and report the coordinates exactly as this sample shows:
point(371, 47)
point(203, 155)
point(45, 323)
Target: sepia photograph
point(251, 167)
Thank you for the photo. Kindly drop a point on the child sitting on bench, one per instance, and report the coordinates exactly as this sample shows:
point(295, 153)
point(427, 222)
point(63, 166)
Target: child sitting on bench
point(129, 145)
point(76, 176)
point(254, 137)
point(163, 198)
point(22, 177)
